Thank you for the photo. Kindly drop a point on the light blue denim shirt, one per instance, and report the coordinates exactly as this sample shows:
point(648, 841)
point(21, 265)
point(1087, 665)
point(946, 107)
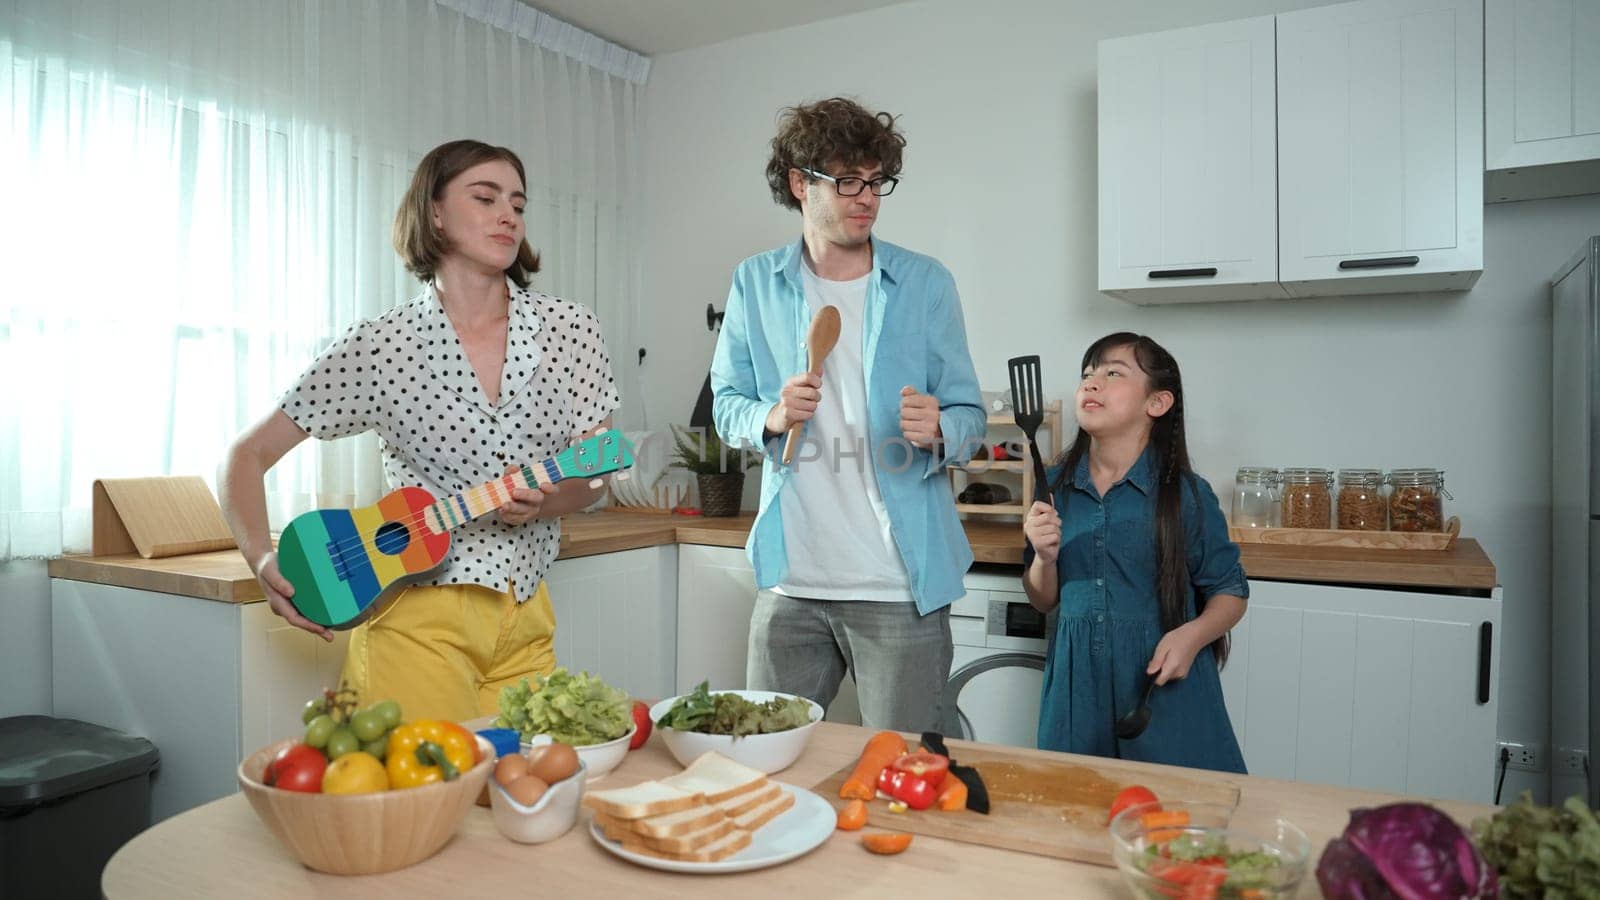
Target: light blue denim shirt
point(912, 334)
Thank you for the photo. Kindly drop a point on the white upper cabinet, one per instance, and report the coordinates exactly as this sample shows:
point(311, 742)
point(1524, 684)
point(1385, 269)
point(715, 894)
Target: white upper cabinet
point(1380, 147)
point(1331, 151)
point(1541, 98)
point(1188, 185)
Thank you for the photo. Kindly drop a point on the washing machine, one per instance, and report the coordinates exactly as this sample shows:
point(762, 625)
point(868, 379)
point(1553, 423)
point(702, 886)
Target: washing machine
point(998, 666)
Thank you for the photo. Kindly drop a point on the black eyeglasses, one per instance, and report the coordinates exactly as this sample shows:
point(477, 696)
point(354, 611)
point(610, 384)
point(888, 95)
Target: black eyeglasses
point(851, 185)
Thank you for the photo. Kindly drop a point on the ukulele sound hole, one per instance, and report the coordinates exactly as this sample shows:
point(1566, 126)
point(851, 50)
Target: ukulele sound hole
point(392, 538)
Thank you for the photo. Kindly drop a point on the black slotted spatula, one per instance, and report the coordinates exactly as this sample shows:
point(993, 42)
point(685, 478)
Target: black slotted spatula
point(1027, 407)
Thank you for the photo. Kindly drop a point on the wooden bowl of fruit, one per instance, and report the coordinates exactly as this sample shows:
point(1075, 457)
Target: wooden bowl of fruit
point(355, 814)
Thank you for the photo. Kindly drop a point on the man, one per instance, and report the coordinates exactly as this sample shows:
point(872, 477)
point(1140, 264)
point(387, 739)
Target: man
point(857, 549)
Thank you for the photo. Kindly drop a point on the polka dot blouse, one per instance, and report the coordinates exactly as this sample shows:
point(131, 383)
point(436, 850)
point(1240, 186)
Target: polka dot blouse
point(405, 375)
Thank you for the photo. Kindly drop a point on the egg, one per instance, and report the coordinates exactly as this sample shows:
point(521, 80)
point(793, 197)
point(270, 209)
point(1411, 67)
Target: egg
point(527, 790)
point(553, 762)
point(510, 768)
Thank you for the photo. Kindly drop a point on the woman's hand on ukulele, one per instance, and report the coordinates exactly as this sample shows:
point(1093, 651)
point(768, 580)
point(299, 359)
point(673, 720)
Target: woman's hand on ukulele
point(525, 503)
point(1042, 527)
point(278, 590)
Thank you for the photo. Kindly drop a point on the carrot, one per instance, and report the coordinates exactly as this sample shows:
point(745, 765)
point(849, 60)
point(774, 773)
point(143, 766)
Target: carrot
point(886, 844)
point(1164, 818)
point(954, 794)
point(853, 816)
point(882, 749)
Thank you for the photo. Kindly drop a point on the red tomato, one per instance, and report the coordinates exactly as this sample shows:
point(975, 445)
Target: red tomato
point(1130, 796)
point(930, 767)
point(297, 767)
point(641, 718)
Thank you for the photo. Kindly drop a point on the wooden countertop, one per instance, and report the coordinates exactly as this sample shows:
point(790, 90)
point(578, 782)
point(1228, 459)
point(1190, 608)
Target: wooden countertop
point(222, 849)
point(223, 575)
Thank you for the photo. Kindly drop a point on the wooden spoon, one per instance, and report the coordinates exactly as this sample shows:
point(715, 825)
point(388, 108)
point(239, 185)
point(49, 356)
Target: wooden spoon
point(824, 333)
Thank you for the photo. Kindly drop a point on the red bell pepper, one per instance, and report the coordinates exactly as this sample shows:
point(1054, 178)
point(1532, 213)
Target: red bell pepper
point(915, 784)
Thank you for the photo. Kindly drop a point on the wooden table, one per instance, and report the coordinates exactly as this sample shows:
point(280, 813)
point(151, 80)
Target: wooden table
point(222, 849)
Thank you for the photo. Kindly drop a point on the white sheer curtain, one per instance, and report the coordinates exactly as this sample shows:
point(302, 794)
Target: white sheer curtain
point(197, 198)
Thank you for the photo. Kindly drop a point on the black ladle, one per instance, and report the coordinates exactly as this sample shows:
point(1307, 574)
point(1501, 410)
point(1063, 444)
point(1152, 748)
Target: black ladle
point(1135, 721)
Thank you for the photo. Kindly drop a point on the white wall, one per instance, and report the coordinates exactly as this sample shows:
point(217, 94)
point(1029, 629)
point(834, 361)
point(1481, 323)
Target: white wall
point(999, 110)
point(24, 639)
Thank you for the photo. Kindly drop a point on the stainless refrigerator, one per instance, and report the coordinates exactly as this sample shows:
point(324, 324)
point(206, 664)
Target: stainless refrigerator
point(1575, 525)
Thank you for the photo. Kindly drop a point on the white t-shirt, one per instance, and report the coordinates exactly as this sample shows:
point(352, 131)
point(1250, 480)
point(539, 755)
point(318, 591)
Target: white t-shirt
point(835, 525)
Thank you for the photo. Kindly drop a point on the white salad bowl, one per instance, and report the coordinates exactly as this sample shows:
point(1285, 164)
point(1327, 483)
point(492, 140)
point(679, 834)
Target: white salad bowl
point(766, 752)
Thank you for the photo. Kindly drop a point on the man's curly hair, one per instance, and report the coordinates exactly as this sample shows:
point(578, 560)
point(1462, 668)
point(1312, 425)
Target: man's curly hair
point(835, 131)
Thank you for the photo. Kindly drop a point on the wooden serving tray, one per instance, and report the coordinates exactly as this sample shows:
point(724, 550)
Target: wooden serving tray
point(1367, 540)
point(1047, 804)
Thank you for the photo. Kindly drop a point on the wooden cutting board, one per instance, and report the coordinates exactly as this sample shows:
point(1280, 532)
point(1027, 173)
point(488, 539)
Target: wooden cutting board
point(1048, 804)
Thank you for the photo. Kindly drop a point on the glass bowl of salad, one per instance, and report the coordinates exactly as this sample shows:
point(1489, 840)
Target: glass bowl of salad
point(764, 730)
point(1178, 849)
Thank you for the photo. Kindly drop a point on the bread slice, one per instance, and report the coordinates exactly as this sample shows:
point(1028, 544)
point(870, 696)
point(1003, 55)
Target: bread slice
point(685, 843)
point(765, 813)
point(668, 824)
point(721, 848)
point(650, 798)
point(739, 804)
point(717, 777)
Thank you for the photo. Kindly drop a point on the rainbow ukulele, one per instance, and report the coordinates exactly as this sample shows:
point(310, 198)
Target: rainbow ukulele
point(341, 560)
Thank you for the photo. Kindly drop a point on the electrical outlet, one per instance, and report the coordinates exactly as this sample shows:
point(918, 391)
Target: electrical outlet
point(1525, 757)
point(1571, 762)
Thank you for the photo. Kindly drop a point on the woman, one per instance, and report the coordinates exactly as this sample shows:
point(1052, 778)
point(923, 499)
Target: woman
point(474, 376)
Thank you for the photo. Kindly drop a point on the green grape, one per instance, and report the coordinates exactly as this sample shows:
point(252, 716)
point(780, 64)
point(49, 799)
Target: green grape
point(367, 725)
point(377, 747)
point(319, 730)
point(316, 706)
point(342, 742)
point(389, 710)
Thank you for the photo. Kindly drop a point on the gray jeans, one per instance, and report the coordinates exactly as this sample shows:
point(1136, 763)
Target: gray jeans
point(900, 659)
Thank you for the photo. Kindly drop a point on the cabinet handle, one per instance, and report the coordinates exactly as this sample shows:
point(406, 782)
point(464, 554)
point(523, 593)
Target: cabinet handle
point(1485, 647)
point(1379, 262)
point(1208, 272)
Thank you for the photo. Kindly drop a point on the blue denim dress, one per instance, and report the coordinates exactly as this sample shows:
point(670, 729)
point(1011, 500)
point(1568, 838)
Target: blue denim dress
point(1109, 623)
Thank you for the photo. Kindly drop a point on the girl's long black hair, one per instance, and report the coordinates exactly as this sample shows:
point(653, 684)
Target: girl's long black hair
point(1174, 474)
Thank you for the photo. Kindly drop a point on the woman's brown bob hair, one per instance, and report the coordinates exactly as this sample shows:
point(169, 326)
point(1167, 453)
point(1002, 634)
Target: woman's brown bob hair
point(418, 242)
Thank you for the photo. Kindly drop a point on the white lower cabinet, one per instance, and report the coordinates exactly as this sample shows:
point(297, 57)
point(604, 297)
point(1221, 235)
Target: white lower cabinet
point(617, 617)
point(1383, 689)
point(206, 682)
point(1357, 687)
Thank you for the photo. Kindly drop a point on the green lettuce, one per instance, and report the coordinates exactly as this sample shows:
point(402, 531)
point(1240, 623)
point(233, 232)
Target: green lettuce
point(573, 709)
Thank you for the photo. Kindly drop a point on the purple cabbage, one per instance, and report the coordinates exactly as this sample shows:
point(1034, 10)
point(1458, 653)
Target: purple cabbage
point(1406, 850)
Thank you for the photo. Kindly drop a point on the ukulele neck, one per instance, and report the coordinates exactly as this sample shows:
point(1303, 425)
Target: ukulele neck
point(459, 509)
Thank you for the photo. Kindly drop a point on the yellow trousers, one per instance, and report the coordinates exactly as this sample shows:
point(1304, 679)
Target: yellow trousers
point(445, 651)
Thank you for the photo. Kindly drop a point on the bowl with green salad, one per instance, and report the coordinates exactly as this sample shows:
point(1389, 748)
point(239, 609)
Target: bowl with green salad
point(764, 730)
point(1178, 849)
point(577, 709)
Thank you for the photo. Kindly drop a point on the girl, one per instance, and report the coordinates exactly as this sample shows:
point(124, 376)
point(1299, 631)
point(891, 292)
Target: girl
point(1140, 565)
point(477, 374)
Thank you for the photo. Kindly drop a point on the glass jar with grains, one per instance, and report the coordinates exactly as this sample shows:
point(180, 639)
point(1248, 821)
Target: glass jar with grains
point(1255, 497)
point(1361, 504)
point(1417, 501)
point(1307, 502)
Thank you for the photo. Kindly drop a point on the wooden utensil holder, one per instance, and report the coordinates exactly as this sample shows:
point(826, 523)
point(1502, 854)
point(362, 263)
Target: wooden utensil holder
point(157, 517)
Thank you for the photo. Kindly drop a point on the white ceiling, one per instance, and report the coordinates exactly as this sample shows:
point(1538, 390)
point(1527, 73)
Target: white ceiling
point(654, 27)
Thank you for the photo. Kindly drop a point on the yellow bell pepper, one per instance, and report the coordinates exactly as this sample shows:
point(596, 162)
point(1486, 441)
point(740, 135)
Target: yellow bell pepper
point(428, 750)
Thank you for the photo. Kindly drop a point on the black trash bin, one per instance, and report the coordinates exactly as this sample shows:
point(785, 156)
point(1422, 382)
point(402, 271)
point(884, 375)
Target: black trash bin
point(71, 794)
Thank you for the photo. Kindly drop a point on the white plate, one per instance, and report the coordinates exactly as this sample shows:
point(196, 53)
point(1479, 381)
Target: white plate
point(799, 830)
